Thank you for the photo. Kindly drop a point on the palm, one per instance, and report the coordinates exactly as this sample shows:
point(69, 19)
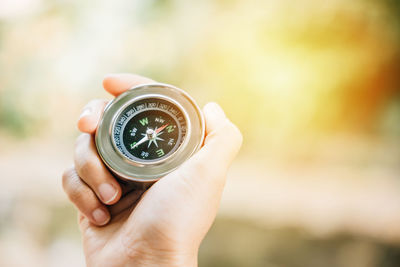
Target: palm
point(160, 210)
point(96, 239)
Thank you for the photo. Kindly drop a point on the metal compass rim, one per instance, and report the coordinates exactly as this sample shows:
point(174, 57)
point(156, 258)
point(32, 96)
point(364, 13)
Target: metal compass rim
point(149, 171)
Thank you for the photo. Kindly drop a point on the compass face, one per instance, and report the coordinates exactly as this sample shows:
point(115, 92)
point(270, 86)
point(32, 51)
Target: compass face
point(149, 130)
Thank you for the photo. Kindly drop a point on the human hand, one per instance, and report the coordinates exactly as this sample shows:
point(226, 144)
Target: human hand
point(164, 226)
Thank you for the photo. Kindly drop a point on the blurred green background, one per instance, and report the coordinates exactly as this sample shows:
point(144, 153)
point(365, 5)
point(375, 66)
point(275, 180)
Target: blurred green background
point(313, 85)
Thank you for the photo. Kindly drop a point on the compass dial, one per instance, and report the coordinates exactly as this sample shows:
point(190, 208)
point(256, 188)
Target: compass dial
point(149, 130)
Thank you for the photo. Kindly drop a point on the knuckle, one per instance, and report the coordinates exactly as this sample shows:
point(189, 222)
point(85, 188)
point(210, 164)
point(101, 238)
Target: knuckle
point(75, 195)
point(235, 133)
point(85, 161)
point(77, 192)
point(93, 103)
point(231, 133)
point(73, 187)
point(66, 176)
point(82, 139)
point(87, 166)
point(96, 101)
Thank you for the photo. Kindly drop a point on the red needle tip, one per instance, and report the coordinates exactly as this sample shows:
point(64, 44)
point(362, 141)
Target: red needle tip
point(161, 128)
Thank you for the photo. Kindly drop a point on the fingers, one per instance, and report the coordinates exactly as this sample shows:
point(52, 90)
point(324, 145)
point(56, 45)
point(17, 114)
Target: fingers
point(92, 171)
point(84, 198)
point(90, 116)
point(116, 84)
point(127, 201)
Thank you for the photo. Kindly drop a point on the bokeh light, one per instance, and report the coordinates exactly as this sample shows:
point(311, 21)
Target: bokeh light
point(313, 85)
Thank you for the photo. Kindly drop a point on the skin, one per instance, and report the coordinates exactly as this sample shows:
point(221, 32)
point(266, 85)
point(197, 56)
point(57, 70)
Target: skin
point(163, 226)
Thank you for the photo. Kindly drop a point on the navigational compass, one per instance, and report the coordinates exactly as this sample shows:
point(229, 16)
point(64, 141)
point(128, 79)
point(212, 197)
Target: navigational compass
point(148, 131)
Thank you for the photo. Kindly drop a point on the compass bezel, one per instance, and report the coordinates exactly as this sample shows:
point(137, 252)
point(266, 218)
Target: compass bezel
point(149, 171)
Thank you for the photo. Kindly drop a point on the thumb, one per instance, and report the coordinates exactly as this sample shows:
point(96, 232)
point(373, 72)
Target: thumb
point(186, 201)
point(222, 143)
point(223, 138)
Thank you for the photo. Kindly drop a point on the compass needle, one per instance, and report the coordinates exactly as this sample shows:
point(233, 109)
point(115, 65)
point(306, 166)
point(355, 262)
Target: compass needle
point(137, 119)
point(161, 128)
point(144, 139)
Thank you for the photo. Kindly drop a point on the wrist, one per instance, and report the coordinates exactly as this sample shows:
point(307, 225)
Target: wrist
point(142, 254)
point(163, 258)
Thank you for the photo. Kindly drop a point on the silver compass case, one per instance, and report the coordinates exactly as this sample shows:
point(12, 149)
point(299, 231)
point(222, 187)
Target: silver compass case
point(148, 171)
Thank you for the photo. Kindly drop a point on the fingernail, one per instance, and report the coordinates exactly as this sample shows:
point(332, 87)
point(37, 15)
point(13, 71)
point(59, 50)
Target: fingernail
point(100, 216)
point(107, 192)
point(85, 112)
point(216, 109)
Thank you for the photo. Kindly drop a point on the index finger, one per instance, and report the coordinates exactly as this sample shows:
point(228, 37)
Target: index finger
point(116, 84)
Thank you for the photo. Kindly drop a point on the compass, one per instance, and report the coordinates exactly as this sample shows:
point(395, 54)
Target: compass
point(149, 131)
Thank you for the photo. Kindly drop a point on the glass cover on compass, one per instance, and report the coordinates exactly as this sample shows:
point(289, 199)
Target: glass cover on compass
point(149, 130)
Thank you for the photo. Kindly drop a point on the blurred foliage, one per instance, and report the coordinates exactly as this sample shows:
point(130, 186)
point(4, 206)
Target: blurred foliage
point(280, 71)
point(394, 6)
point(47, 221)
point(11, 116)
point(293, 75)
point(14, 117)
point(249, 244)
